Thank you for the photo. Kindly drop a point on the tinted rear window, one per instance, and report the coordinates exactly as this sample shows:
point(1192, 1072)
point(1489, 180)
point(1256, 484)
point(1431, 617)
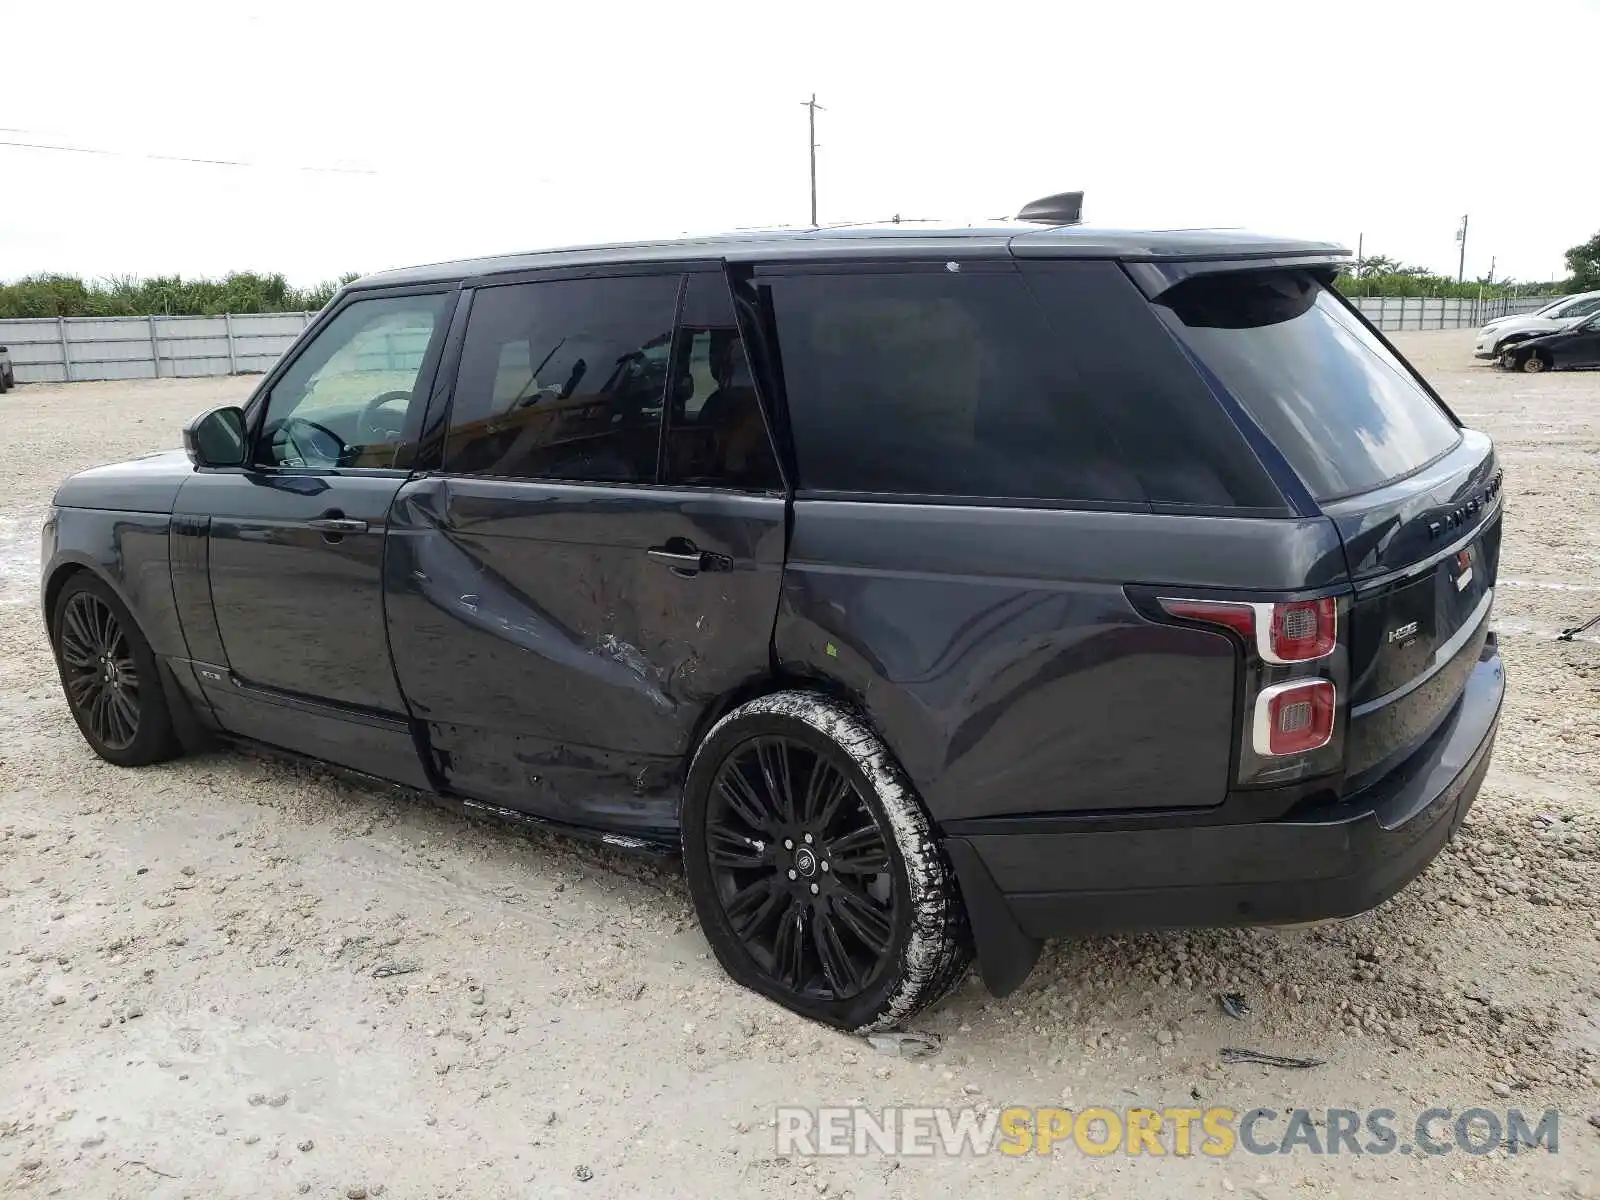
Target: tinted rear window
point(1344, 411)
point(934, 382)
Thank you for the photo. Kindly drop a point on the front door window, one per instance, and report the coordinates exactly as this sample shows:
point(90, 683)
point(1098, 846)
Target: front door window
point(343, 401)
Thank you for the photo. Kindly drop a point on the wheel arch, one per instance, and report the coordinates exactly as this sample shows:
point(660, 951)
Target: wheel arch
point(62, 572)
point(766, 684)
point(1513, 339)
point(194, 730)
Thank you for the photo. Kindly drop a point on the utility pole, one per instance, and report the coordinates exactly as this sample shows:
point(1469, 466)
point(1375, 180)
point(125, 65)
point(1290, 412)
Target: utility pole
point(1361, 241)
point(811, 107)
point(1492, 260)
point(1461, 236)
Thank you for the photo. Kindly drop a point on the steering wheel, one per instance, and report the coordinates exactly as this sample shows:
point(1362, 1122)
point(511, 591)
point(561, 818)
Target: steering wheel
point(375, 429)
point(308, 443)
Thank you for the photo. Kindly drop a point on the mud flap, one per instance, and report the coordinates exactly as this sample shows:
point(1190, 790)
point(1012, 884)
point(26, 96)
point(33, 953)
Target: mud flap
point(1006, 954)
point(195, 733)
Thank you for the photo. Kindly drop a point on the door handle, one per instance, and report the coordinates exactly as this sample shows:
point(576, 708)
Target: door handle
point(685, 562)
point(338, 526)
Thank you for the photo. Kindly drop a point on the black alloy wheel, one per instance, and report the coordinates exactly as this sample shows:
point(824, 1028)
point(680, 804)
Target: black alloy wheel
point(109, 675)
point(98, 670)
point(802, 869)
point(814, 867)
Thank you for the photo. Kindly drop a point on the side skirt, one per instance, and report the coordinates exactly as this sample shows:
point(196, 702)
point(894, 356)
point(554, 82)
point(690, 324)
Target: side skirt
point(654, 848)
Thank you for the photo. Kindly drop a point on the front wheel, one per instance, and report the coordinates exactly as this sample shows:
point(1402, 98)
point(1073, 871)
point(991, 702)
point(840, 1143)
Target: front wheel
point(109, 674)
point(1534, 363)
point(814, 869)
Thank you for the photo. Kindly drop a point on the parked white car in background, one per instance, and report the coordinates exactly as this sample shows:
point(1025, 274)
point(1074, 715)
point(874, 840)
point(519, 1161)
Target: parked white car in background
point(1561, 314)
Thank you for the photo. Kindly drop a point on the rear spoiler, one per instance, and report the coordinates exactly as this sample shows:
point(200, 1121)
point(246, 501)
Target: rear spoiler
point(1156, 277)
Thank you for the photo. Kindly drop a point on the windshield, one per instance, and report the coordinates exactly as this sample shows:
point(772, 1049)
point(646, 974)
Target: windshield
point(1338, 403)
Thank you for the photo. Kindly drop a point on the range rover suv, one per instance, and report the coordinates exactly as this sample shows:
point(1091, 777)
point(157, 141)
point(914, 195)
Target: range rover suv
point(933, 591)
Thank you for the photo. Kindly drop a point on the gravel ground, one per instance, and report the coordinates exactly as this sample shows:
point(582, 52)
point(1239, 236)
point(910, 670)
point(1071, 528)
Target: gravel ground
point(233, 977)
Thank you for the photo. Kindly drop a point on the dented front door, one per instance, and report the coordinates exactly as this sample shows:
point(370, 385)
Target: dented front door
point(562, 641)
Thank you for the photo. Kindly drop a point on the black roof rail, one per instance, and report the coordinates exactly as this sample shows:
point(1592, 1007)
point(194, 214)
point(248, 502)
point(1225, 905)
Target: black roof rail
point(1064, 208)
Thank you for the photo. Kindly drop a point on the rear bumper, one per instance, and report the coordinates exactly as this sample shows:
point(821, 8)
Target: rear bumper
point(1023, 886)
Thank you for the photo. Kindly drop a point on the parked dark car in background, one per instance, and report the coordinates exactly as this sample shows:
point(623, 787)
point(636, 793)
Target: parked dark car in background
point(1578, 346)
point(928, 589)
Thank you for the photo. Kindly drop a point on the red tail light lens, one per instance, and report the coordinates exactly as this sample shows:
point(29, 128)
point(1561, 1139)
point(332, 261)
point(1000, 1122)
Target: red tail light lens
point(1294, 632)
point(1292, 718)
point(1241, 618)
point(1303, 630)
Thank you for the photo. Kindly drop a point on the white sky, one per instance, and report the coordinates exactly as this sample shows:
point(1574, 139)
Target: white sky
point(493, 127)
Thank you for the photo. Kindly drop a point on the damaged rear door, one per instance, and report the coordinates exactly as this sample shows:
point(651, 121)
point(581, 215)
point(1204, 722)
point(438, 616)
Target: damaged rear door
point(598, 555)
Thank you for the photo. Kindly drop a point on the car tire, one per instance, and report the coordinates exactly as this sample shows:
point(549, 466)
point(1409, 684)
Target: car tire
point(1534, 363)
point(110, 676)
point(814, 869)
point(1507, 360)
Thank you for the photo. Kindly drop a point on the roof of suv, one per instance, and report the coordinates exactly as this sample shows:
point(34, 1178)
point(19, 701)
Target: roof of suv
point(892, 240)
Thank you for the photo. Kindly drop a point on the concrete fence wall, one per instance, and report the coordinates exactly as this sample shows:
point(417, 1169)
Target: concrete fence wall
point(1420, 312)
point(69, 349)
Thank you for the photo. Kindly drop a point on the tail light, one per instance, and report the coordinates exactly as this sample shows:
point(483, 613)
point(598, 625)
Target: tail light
point(1294, 632)
point(1302, 631)
point(1294, 665)
point(1294, 717)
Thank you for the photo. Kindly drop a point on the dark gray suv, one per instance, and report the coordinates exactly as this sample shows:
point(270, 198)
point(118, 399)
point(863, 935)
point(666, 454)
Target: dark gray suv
point(932, 589)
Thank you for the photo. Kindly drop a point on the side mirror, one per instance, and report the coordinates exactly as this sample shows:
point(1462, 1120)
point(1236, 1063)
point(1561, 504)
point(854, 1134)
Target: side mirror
point(216, 438)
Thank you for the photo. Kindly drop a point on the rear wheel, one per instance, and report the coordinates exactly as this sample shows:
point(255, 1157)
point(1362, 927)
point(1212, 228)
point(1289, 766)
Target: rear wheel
point(109, 674)
point(814, 869)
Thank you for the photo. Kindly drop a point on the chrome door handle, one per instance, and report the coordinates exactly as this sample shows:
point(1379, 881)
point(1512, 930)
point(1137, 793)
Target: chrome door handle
point(338, 525)
point(690, 561)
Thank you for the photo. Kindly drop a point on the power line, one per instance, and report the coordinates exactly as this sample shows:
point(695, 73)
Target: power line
point(179, 158)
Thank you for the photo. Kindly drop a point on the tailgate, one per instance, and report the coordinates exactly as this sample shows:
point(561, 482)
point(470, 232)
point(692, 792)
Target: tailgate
point(1424, 554)
point(1415, 497)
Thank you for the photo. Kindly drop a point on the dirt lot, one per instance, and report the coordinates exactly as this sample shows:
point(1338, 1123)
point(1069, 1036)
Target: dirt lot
point(233, 977)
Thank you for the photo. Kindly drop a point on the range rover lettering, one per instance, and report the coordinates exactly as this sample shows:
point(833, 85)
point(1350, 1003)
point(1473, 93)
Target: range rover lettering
point(932, 591)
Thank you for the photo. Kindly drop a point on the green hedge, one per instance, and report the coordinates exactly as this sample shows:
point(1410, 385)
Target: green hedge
point(1407, 284)
point(166, 295)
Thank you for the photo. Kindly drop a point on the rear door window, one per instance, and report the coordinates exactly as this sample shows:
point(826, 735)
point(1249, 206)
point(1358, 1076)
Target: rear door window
point(564, 379)
point(1343, 410)
point(936, 382)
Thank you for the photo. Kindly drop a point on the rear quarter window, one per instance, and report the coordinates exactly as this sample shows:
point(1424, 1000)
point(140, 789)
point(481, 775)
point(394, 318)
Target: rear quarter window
point(936, 382)
point(1344, 411)
point(1185, 450)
